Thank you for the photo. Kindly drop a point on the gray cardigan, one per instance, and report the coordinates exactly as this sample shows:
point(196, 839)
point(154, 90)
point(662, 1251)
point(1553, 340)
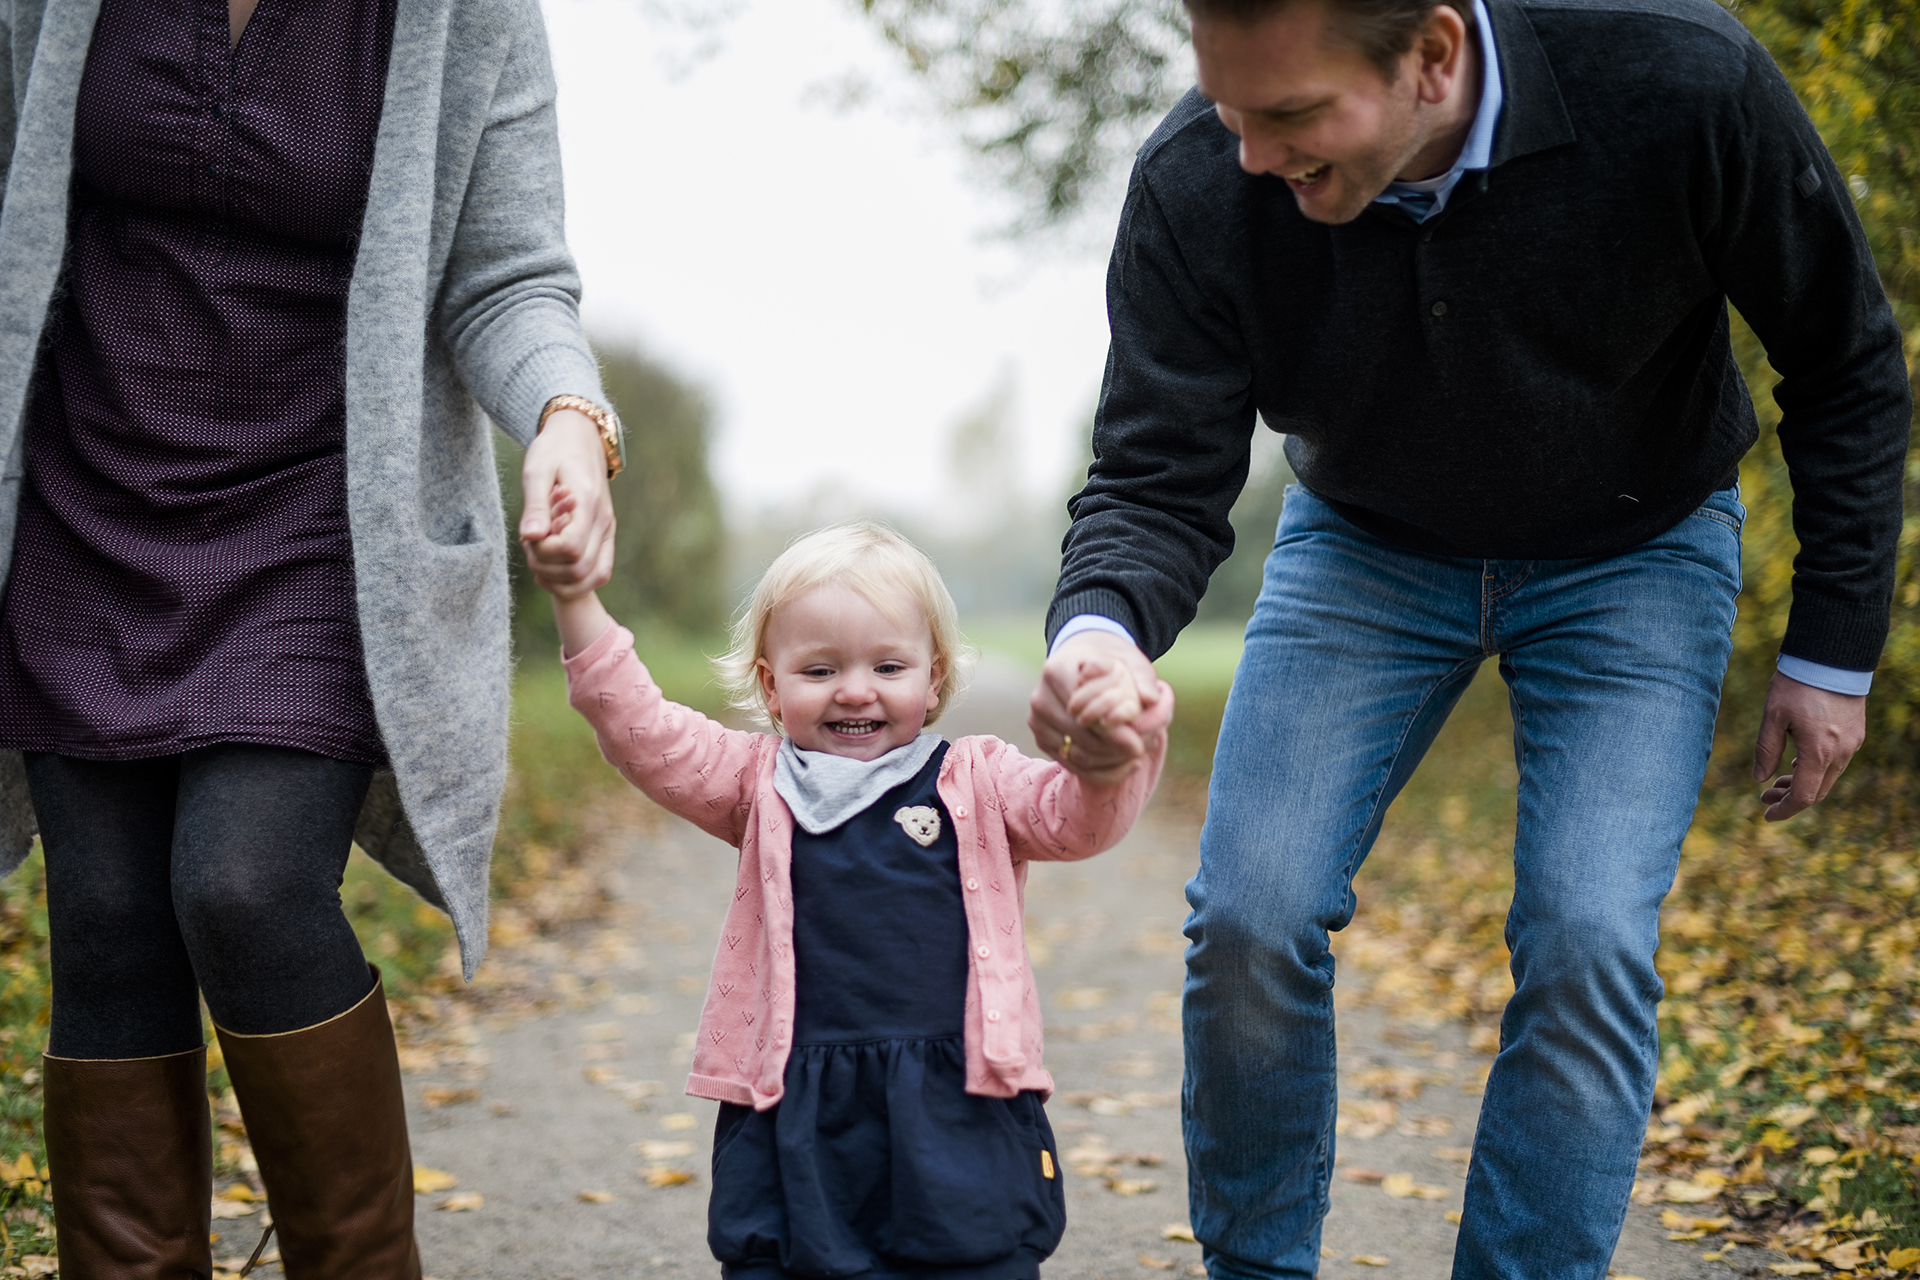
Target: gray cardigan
point(463, 292)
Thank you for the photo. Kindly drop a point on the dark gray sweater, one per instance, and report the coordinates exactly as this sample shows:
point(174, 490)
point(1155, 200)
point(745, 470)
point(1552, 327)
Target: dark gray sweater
point(1541, 372)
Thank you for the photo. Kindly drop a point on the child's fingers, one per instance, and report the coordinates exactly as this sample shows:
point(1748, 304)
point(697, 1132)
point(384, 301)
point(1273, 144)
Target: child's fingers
point(1111, 707)
point(1112, 699)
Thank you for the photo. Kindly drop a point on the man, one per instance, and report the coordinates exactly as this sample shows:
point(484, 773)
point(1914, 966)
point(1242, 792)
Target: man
point(1474, 260)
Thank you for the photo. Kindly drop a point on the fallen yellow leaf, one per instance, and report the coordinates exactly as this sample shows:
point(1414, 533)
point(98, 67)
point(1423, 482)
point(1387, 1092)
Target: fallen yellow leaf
point(1687, 1110)
point(1158, 1264)
point(680, 1120)
point(1365, 1177)
point(601, 1032)
point(662, 1176)
point(1796, 1268)
point(597, 1197)
point(428, 1181)
point(1401, 1186)
point(1181, 1231)
point(654, 1149)
point(1844, 1257)
point(1689, 1192)
point(1903, 1259)
point(436, 1096)
point(1369, 1259)
point(1131, 1186)
point(1453, 1216)
point(1819, 1155)
point(462, 1202)
point(1673, 1220)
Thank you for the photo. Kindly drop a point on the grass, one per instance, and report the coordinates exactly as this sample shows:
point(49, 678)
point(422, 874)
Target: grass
point(559, 801)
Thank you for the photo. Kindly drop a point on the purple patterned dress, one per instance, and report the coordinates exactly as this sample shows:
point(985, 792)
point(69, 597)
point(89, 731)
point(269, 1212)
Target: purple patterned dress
point(183, 573)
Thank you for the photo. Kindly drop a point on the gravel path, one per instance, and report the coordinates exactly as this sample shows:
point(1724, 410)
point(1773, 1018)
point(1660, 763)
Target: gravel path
point(576, 1111)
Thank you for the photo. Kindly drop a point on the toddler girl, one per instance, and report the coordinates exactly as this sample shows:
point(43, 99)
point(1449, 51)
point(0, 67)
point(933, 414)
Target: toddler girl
point(872, 1031)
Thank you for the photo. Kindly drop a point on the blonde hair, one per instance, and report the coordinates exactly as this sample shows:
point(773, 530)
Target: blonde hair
point(869, 558)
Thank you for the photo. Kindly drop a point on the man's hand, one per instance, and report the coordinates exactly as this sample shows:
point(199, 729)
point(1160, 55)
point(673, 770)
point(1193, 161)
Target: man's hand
point(1826, 728)
point(575, 555)
point(1118, 722)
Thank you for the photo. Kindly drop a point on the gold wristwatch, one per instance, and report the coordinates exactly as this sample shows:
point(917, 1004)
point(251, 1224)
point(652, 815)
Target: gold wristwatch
point(612, 439)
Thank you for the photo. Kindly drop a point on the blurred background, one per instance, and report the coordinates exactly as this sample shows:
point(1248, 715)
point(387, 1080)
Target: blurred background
point(846, 257)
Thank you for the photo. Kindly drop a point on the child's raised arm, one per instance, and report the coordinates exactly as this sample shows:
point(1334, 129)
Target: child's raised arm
point(694, 766)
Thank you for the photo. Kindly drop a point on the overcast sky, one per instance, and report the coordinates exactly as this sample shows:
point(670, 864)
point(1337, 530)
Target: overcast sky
point(829, 275)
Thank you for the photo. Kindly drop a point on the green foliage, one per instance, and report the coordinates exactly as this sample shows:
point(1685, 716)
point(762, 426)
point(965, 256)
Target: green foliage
point(1856, 66)
point(1054, 97)
point(670, 546)
point(24, 1009)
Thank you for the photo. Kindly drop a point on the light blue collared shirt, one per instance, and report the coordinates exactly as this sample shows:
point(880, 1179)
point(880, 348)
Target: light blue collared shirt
point(1425, 199)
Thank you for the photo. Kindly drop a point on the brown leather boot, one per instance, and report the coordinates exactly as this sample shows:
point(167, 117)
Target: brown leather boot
point(328, 1123)
point(130, 1147)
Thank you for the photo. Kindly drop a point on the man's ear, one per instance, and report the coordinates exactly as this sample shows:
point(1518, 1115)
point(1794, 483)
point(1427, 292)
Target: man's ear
point(1441, 46)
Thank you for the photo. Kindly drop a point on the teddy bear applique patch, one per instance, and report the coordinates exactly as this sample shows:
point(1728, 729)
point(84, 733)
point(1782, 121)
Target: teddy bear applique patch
point(921, 822)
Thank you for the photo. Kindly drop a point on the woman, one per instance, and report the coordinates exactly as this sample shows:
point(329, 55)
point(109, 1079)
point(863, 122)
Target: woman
point(256, 269)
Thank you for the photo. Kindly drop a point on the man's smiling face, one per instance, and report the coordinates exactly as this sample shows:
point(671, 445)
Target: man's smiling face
point(1310, 108)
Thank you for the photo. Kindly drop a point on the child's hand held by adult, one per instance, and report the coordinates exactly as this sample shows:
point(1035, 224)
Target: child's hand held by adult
point(567, 457)
point(1098, 748)
point(577, 610)
point(1107, 697)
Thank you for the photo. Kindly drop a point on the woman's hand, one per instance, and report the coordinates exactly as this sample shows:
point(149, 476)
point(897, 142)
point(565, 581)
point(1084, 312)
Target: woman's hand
point(569, 557)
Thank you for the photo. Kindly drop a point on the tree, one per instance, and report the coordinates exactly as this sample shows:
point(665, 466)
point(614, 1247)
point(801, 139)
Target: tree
point(1054, 97)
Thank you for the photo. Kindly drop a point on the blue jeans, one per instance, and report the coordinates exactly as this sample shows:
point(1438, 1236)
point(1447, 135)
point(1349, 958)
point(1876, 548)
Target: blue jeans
point(1357, 651)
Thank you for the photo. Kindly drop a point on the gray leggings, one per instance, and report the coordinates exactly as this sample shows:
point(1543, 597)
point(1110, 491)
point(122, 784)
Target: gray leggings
point(216, 871)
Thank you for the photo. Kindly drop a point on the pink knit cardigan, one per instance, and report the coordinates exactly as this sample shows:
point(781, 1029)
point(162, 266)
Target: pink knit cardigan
point(1007, 810)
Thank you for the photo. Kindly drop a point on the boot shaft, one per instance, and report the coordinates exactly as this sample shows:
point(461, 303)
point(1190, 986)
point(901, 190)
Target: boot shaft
point(130, 1148)
point(326, 1114)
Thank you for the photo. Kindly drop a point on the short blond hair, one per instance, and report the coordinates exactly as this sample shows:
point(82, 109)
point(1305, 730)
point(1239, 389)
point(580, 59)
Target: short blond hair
point(869, 558)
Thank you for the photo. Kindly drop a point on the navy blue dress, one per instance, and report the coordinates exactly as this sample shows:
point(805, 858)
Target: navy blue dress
point(877, 1162)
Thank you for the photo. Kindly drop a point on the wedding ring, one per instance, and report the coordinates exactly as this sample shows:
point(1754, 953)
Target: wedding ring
point(1066, 748)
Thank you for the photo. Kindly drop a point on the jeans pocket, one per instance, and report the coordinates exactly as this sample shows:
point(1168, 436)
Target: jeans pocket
point(1723, 507)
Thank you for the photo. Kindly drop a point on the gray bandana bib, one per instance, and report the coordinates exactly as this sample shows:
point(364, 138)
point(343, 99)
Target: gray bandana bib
point(825, 790)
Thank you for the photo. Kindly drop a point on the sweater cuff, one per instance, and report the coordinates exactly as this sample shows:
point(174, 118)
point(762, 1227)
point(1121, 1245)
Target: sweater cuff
point(545, 372)
point(1100, 603)
point(1835, 633)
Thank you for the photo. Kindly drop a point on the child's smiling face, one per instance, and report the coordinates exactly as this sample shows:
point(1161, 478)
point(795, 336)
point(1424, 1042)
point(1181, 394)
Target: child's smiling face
point(844, 678)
